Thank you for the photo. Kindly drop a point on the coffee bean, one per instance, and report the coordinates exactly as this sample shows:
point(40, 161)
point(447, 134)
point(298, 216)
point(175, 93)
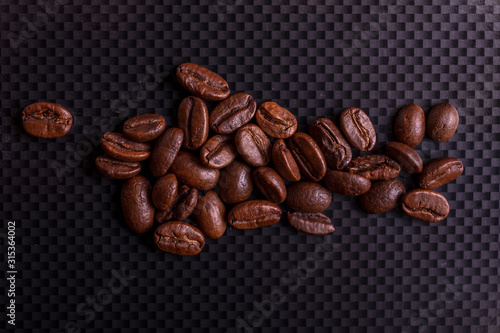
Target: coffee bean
point(210, 215)
point(311, 223)
point(138, 209)
point(409, 125)
point(308, 197)
point(425, 205)
point(440, 172)
point(118, 146)
point(383, 196)
point(193, 120)
point(179, 238)
point(374, 167)
point(165, 191)
point(442, 122)
point(308, 156)
point(236, 183)
point(144, 128)
point(253, 145)
point(346, 183)
point(254, 214)
point(270, 184)
point(218, 152)
point(165, 151)
point(232, 113)
point(116, 169)
point(275, 120)
point(46, 120)
point(202, 82)
point(332, 143)
point(190, 171)
point(406, 157)
point(358, 129)
point(183, 205)
point(284, 162)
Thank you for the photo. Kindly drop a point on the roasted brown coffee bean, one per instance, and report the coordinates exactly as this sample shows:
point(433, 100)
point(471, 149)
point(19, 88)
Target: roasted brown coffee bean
point(232, 113)
point(210, 215)
point(179, 238)
point(308, 197)
point(440, 172)
point(425, 205)
point(284, 162)
point(253, 145)
point(183, 205)
point(442, 122)
point(144, 128)
point(116, 169)
point(406, 157)
point(374, 167)
point(275, 120)
point(165, 151)
point(346, 183)
point(218, 152)
point(311, 223)
point(409, 126)
point(138, 209)
point(118, 146)
point(236, 183)
point(308, 156)
point(202, 82)
point(254, 214)
point(358, 129)
point(190, 171)
point(270, 184)
point(46, 120)
point(165, 191)
point(192, 117)
point(332, 143)
point(383, 196)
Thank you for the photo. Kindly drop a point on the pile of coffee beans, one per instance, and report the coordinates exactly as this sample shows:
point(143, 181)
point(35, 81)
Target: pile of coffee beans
point(225, 155)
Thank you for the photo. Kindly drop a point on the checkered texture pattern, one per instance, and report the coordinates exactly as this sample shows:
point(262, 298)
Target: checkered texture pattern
point(386, 273)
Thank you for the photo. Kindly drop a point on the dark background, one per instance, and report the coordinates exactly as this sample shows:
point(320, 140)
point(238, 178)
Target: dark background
point(386, 273)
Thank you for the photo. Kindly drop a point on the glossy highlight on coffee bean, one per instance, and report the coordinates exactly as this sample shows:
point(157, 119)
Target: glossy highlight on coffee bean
point(308, 156)
point(405, 156)
point(192, 118)
point(275, 120)
point(232, 113)
point(144, 128)
point(346, 183)
point(374, 167)
point(179, 238)
point(425, 205)
point(235, 184)
point(181, 207)
point(442, 122)
point(202, 82)
point(118, 146)
point(46, 120)
point(409, 125)
point(254, 214)
point(311, 223)
point(165, 191)
point(358, 129)
point(383, 196)
point(116, 169)
point(218, 152)
point(284, 161)
point(189, 170)
point(440, 172)
point(165, 151)
point(210, 215)
point(137, 206)
point(270, 184)
point(333, 145)
point(308, 197)
point(253, 145)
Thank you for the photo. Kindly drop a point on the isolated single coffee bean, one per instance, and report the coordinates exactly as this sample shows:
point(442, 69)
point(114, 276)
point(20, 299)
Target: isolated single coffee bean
point(179, 238)
point(202, 82)
point(346, 183)
point(409, 125)
point(192, 118)
point(270, 184)
point(358, 129)
point(165, 151)
point(138, 209)
point(407, 158)
point(333, 145)
point(189, 170)
point(308, 197)
point(46, 120)
point(425, 205)
point(118, 146)
point(275, 120)
point(442, 122)
point(253, 145)
point(232, 113)
point(308, 156)
point(218, 152)
point(311, 223)
point(144, 128)
point(210, 215)
point(284, 162)
point(235, 184)
point(383, 196)
point(440, 172)
point(374, 167)
point(254, 214)
point(116, 169)
point(183, 205)
point(165, 191)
